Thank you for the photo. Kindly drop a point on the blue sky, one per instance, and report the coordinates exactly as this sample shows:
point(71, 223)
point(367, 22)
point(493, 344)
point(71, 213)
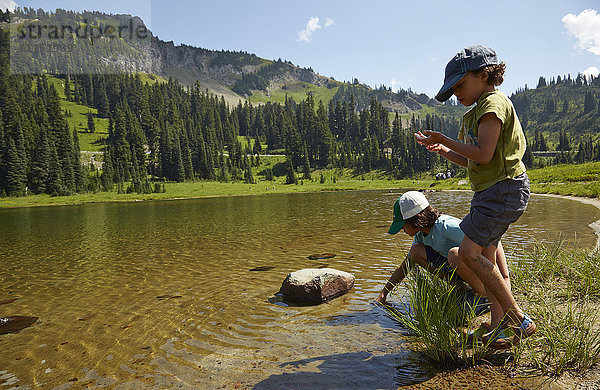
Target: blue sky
point(400, 44)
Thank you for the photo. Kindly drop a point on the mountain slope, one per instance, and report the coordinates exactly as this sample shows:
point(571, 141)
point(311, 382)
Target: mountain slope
point(233, 75)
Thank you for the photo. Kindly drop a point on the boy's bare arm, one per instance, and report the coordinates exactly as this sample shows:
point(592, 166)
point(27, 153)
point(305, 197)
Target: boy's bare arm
point(482, 152)
point(397, 276)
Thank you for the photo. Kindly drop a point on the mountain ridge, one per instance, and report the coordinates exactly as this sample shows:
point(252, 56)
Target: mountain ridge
point(235, 75)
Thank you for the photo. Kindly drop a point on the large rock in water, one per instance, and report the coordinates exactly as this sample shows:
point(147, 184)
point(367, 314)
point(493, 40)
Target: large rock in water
point(15, 323)
point(316, 285)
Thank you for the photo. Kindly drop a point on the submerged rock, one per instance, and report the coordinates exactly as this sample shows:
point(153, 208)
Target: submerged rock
point(316, 285)
point(262, 268)
point(163, 297)
point(319, 256)
point(15, 323)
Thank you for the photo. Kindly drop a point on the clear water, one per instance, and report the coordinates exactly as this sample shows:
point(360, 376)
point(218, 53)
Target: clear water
point(160, 294)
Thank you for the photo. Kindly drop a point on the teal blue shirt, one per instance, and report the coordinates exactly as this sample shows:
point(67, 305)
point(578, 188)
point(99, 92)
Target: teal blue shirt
point(444, 234)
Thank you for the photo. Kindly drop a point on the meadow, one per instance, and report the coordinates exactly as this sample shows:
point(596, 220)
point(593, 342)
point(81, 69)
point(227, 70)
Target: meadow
point(573, 180)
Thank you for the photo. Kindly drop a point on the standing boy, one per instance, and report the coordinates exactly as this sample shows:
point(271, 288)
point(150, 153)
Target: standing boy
point(492, 148)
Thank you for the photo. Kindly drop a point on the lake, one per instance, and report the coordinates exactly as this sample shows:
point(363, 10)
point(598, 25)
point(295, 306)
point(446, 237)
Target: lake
point(160, 294)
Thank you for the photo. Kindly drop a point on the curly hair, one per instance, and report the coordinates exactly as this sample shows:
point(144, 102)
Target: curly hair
point(425, 218)
point(494, 73)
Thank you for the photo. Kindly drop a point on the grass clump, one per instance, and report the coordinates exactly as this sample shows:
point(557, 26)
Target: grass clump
point(556, 284)
point(436, 314)
point(566, 338)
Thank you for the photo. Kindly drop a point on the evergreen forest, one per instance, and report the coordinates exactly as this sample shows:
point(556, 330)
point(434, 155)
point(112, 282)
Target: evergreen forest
point(167, 131)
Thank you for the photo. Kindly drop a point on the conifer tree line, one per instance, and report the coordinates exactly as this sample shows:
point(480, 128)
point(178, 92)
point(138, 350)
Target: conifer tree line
point(38, 151)
point(189, 134)
point(563, 115)
point(166, 131)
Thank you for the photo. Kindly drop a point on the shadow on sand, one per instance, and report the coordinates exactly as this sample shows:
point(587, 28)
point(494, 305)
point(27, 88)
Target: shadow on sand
point(353, 370)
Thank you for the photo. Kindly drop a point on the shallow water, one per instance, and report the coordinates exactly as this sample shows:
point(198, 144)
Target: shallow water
point(160, 294)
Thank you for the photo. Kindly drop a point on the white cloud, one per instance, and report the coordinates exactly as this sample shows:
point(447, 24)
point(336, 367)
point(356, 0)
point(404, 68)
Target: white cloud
point(591, 71)
point(397, 84)
point(311, 26)
point(586, 28)
point(8, 4)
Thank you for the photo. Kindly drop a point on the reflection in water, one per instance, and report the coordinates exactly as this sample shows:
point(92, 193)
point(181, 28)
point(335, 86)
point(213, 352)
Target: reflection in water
point(165, 294)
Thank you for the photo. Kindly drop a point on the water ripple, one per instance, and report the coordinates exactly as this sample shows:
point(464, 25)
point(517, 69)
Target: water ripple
point(161, 295)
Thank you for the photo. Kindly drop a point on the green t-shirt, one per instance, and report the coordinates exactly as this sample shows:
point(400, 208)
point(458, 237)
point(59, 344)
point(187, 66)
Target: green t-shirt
point(507, 161)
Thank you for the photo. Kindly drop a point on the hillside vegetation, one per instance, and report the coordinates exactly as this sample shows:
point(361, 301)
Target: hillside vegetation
point(561, 105)
point(138, 130)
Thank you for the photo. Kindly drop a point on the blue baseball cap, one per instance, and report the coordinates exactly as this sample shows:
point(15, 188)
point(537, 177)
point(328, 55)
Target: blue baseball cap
point(467, 60)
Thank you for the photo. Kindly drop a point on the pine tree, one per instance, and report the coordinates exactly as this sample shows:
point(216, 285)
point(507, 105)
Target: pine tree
point(291, 177)
point(54, 185)
point(68, 94)
point(40, 165)
point(589, 103)
point(79, 173)
point(90, 122)
point(16, 177)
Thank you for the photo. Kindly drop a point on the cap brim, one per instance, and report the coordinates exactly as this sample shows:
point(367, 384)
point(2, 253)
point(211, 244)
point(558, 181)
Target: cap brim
point(446, 91)
point(396, 227)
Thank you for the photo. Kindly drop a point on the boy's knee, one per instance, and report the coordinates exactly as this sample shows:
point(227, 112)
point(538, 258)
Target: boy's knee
point(453, 257)
point(418, 254)
point(466, 255)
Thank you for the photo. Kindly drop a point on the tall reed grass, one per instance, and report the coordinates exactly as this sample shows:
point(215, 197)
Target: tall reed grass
point(556, 284)
point(437, 314)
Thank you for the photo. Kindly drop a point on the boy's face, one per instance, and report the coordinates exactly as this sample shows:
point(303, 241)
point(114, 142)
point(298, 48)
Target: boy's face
point(410, 230)
point(468, 89)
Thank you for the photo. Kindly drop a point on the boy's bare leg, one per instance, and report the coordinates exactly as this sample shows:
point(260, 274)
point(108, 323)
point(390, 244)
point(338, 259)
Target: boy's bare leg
point(418, 254)
point(501, 263)
point(496, 311)
point(474, 257)
point(465, 272)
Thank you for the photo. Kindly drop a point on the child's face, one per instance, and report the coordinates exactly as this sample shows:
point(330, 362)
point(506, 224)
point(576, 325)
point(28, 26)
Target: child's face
point(410, 230)
point(468, 89)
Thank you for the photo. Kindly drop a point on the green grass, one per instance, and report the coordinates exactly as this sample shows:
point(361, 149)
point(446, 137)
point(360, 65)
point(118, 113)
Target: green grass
point(92, 142)
point(555, 284)
point(566, 173)
point(334, 180)
point(151, 79)
point(296, 91)
point(201, 189)
point(434, 317)
point(565, 179)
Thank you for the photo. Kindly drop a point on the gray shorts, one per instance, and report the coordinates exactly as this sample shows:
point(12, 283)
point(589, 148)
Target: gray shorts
point(494, 209)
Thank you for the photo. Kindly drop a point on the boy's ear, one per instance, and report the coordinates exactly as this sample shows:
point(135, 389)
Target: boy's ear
point(484, 76)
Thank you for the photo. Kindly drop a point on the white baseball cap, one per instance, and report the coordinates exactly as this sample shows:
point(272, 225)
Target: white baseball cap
point(407, 206)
